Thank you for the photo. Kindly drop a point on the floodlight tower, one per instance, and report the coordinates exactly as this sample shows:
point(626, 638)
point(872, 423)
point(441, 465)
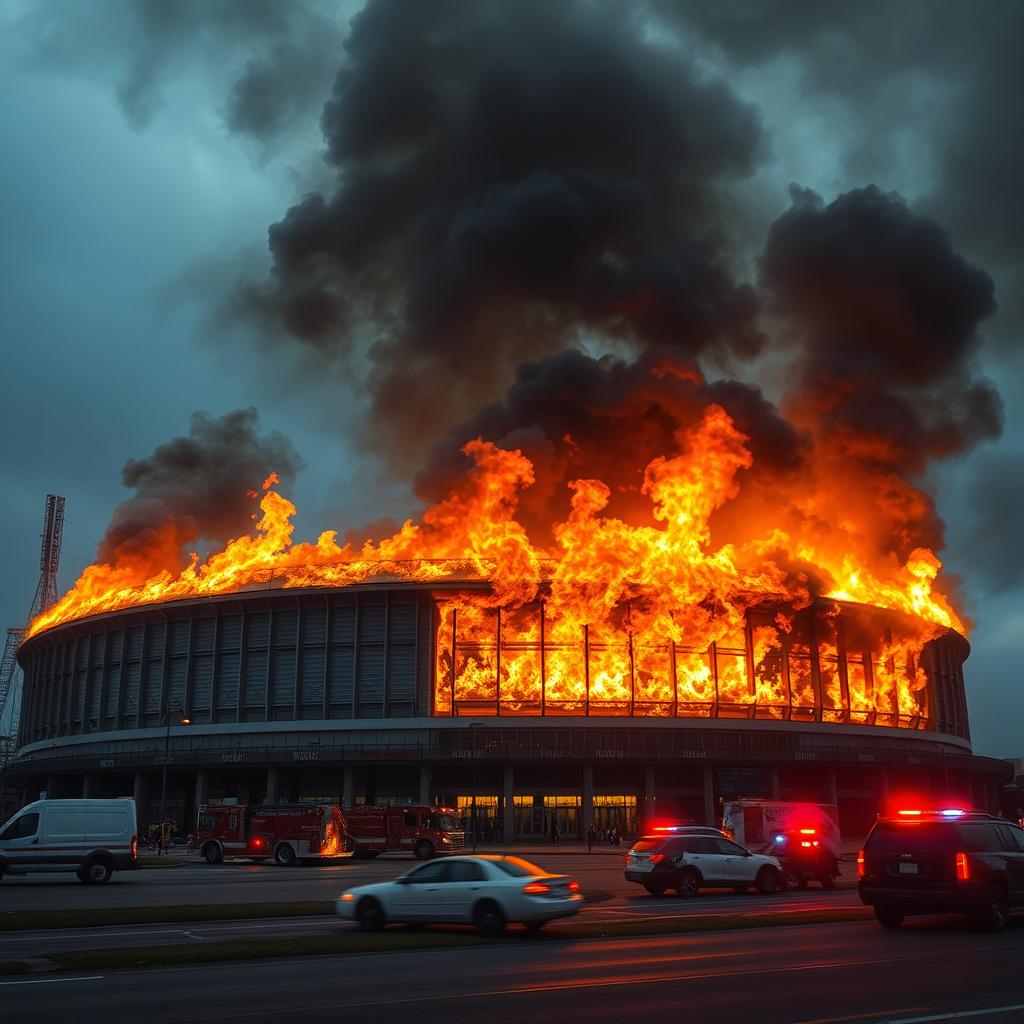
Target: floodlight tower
point(11, 678)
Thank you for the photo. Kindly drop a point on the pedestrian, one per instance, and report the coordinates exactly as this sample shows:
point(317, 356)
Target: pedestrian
point(165, 836)
point(591, 836)
point(554, 830)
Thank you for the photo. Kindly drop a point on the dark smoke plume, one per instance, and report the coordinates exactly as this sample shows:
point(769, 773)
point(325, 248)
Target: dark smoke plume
point(886, 316)
point(509, 176)
point(883, 315)
point(196, 488)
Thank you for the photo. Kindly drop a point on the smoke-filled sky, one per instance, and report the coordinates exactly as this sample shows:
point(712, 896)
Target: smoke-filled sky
point(338, 242)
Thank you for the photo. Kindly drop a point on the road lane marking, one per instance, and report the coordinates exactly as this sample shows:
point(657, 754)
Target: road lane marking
point(52, 981)
point(958, 1015)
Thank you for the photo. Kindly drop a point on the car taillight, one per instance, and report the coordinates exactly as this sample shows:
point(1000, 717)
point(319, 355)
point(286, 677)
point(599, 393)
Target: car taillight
point(574, 886)
point(536, 888)
point(860, 863)
point(963, 867)
point(657, 858)
point(135, 847)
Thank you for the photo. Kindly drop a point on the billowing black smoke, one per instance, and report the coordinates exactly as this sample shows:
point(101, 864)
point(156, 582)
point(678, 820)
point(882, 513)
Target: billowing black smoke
point(196, 488)
point(511, 176)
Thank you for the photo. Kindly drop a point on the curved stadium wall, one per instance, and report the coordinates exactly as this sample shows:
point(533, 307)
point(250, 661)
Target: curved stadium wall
point(347, 694)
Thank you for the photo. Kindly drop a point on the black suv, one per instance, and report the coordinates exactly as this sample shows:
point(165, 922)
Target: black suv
point(942, 862)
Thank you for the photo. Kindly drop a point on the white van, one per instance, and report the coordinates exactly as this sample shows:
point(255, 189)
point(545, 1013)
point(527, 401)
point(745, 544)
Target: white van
point(91, 837)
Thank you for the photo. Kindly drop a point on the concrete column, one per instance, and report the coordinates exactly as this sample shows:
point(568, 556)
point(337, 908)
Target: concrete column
point(348, 786)
point(773, 783)
point(426, 785)
point(139, 795)
point(588, 798)
point(90, 786)
point(650, 796)
point(507, 820)
point(273, 785)
point(202, 788)
point(831, 788)
point(709, 795)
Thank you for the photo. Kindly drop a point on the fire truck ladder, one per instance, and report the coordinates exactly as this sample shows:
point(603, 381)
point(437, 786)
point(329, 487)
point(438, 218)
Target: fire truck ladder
point(11, 678)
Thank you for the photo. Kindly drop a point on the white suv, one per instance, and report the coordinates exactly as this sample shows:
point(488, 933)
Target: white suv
point(688, 863)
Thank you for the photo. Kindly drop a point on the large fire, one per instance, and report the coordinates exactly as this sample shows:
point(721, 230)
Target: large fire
point(613, 618)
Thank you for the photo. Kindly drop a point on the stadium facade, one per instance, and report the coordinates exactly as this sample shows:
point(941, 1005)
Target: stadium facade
point(360, 694)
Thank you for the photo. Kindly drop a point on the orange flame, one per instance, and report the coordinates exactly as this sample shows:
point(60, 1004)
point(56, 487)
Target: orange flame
point(644, 618)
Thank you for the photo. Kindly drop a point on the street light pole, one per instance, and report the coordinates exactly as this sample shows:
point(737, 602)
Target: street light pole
point(167, 749)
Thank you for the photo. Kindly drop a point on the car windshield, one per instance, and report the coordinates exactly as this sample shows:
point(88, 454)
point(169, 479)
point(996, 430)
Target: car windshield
point(444, 823)
point(517, 867)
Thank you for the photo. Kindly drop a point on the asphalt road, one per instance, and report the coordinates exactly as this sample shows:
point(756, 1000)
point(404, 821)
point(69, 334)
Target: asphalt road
point(930, 971)
point(245, 883)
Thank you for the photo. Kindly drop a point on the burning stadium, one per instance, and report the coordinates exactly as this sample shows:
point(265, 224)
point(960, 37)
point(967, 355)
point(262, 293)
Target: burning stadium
point(671, 449)
point(627, 673)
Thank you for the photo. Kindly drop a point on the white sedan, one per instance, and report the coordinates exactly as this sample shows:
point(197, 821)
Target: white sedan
point(488, 891)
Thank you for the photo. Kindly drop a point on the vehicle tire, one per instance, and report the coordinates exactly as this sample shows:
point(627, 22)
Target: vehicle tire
point(96, 871)
point(769, 881)
point(995, 915)
point(827, 880)
point(791, 879)
point(688, 883)
point(424, 849)
point(284, 856)
point(888, 917)
point(213, 854)
point(488, 919)
point(654, 888)
point(370, 915)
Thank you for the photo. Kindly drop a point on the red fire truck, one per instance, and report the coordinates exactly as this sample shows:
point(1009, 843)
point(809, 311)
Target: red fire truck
point(422, 831)
point(286, 832)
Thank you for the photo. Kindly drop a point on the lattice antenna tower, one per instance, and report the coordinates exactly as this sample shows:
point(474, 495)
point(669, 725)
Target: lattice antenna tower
point(11, 679)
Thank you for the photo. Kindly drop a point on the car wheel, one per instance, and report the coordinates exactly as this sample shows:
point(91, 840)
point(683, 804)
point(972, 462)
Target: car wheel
point(827, 880)
point(995, 915)
point(769, 881)
point(488, 919)
point(791, 879)
point(213, 854)
point(424, 850)
point(688, 883)
point(284, 855)
point(96, 872)
point(654, 888)
point(370, 915)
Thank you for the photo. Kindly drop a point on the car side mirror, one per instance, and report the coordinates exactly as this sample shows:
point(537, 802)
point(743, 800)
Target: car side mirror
point(747, 853)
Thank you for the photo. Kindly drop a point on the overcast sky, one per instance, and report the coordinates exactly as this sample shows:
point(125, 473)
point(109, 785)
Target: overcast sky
point(148, 148)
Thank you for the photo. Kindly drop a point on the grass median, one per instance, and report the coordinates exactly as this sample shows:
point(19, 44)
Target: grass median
point(404, 940)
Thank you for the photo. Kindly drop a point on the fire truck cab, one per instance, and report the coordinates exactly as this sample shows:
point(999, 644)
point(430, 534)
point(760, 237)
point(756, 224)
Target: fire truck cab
point(422, 831)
